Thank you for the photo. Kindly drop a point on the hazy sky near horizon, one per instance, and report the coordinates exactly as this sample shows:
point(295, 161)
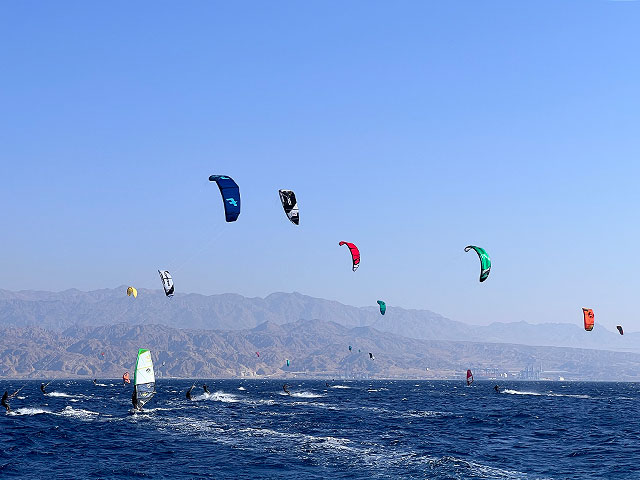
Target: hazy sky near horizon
point(409, 128)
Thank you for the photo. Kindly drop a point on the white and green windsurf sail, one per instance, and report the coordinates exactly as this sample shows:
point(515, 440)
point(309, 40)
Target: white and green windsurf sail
point(144, 379)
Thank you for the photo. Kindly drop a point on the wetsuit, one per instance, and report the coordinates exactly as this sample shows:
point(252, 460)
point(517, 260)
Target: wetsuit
point(42, 387)
point(286, 389)
point(497, 388)
point(206, 389)
point(5, 404)
point(134, 400)
point(95, 381)
point(189, 392)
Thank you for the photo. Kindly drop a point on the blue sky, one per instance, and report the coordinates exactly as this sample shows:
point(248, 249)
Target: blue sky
point(409, 128)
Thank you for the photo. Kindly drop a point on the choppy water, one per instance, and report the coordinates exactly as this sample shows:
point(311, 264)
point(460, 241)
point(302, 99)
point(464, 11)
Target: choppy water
point(356, 430)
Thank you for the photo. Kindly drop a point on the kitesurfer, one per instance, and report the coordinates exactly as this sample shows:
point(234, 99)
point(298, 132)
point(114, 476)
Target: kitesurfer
point(497, 388)
point(285, 387)
point(43, 388)
point(206, 389)
point(6, 397)
point(95, 381)
point(5, 404)
point(189, 392)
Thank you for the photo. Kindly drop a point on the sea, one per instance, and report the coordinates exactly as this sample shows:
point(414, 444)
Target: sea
point(252, 429)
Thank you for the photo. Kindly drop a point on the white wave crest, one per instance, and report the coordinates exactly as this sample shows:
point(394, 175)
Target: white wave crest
point(78, 413)
point(29, 411)
point(62, 394)
point(305, 395)
point(217, 397)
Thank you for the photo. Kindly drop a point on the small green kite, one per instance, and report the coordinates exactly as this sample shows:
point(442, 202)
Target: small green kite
point(485, 261)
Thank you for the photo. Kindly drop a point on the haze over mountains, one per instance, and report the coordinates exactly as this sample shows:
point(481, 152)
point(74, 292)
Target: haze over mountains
point(60, 310)
point(315, 348)
point(96, 334)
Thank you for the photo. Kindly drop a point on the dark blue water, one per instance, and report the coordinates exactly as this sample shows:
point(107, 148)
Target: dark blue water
point(367, 430)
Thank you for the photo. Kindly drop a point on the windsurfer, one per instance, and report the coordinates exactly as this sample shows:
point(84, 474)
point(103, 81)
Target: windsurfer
point(134, 399)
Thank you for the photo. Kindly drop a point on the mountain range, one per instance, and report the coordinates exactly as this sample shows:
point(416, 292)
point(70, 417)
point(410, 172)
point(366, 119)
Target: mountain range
point(58, 311)
point(315, 348)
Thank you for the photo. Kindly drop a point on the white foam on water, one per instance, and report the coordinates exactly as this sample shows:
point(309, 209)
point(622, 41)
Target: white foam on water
point(64, 395)
point(429, 413)
point(550, 394)
point(241, 388)
point(81, 413)
point(305, 395)
point(339, 386)
point(29, 411)
point(518, 392)
point(219, 396)
point(467, 469)
point(328, 441)
point(566, 395)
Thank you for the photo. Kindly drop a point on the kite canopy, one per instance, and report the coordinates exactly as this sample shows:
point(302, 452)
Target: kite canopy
point(288, 363)
point(230, 196)
point(469, 377)
point(619, 327)
point(383, 307)
point(167, 282)
point(355, 254)
point(132, 291)
point(589, 319)
point(290, 205)
point(485, 261)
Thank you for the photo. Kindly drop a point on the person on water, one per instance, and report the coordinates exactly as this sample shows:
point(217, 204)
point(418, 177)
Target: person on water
point(95, 381)
point(6, 397)
point(206, 389)
point(134, 399)
point(497, 388)
point(285, 387)
point(189, 392)
point(5, 404)
point(43, 388)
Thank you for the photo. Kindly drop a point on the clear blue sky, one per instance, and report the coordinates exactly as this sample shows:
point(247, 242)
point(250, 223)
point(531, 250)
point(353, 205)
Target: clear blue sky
point(409, 128)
